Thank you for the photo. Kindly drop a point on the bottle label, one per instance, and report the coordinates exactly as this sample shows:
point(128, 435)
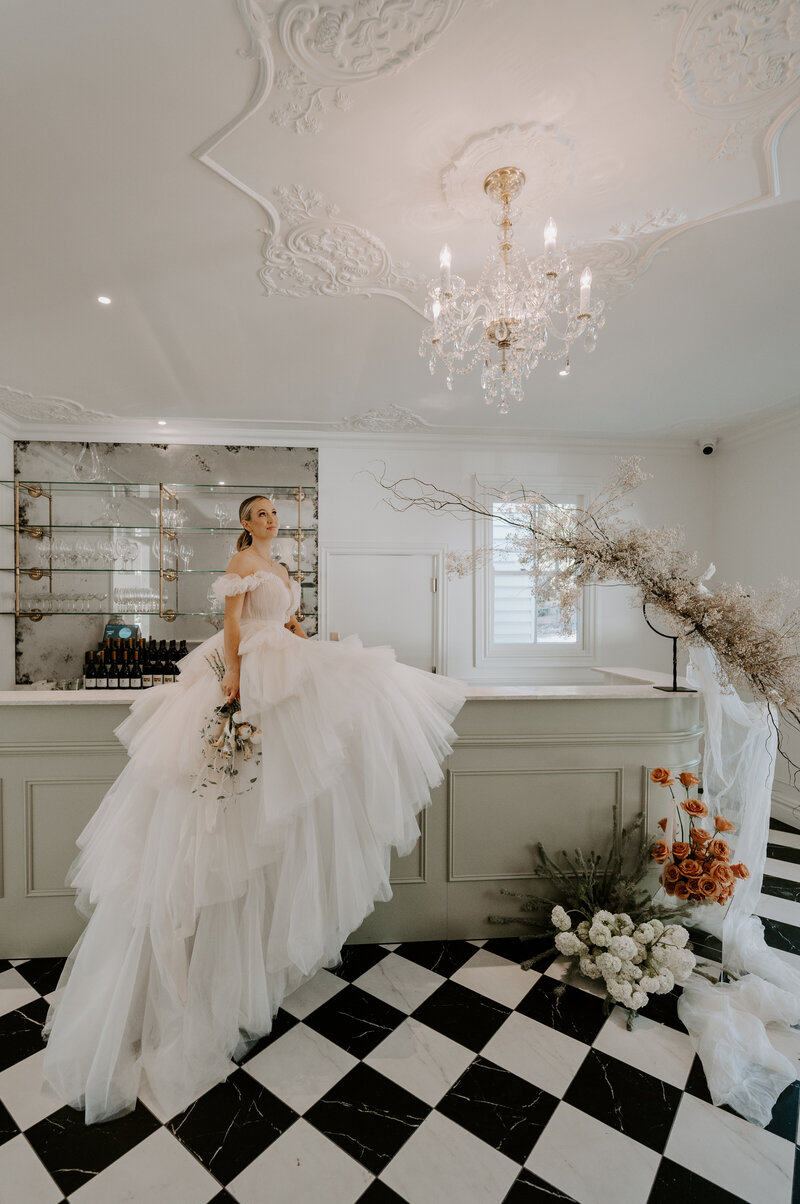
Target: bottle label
point(112, 683)
point(158, 679)
point(136, 683)
point(101, 684)
point(123, 683)
point(88, 683)
point(147, 680)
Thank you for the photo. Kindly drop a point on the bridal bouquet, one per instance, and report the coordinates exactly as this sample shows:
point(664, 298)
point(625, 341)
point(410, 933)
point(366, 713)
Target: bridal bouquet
point(228, 744)
point(697, 863)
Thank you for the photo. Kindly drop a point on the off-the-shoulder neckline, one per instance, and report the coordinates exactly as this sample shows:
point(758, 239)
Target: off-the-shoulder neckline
point(258, 573)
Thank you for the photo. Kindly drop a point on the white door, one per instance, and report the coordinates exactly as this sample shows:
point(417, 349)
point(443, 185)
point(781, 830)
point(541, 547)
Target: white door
point(386, 597)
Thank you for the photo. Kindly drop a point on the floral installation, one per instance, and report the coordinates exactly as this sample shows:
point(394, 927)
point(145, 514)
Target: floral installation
point(756, 640)
point(606, 923)
point(229, 742)
point(696, 863)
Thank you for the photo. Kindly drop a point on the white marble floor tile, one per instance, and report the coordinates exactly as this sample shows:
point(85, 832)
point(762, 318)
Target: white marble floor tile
point(300, 1066)
point(592, 1162)
point(400, 982)
point(442, 1163)
point(15, 992)
point(655, 1048)
point(23, 1092)
point(23, 1179)
point(559, 969)
point(391, 948)
point(318, 990)
point(479, 943)
point(159, 1170)
point(784, 910)
point(782, 869)
point(301, 1167)
point(418, 1058)
point(743, 1158)
point(149, 1101)
point(498, 979)
point(18, 961)
point(542, 1055)
point(790, 839)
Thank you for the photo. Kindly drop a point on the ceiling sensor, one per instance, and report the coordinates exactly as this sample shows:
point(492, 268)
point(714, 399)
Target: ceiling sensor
point(707, 446)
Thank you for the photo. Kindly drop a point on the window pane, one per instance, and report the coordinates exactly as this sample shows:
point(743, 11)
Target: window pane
point(517, 617)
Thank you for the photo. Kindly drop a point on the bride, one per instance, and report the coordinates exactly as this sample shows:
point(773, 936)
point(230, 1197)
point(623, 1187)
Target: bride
point(210, 900)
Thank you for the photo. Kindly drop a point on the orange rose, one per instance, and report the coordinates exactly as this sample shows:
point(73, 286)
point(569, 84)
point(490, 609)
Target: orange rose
point(723, 825)
point(688, 779)
point(699, 836)
point(662, 777)
point(718, 850)
point(708, 889)
point(659, 851)
point(691, 868)
point(680, 849)
point(682, 890)
point(740, 870)
point(693, 806)
point(671, 874)
point(720, 872)
point(669, 887)
point(662, 823)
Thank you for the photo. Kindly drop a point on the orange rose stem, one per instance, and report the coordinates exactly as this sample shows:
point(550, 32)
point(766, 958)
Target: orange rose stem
point(677, 808)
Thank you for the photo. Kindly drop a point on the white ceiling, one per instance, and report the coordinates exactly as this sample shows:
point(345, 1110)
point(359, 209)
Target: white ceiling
point(274, 275)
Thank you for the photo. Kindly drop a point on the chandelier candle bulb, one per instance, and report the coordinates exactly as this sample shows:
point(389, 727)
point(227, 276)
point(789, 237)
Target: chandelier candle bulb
point(586, 291)
point(550, 233)
point(445, 259)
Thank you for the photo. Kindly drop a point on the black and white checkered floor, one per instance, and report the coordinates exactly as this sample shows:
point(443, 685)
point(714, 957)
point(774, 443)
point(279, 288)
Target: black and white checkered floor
point(425, 1073)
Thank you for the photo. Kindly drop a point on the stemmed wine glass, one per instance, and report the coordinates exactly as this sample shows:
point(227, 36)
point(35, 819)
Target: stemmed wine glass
point(186, 552)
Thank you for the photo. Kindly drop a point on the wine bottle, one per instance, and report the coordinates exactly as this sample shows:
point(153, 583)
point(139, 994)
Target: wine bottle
point(124, 679)
point(147, 670)
point(112, 681)
point(157, 666)
point(101, 672)
point(89, 672)
point(136, 671)
point(183, 650)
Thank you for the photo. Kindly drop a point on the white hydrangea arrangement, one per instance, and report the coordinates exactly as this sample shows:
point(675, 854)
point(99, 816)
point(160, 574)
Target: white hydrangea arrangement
point(634, 961)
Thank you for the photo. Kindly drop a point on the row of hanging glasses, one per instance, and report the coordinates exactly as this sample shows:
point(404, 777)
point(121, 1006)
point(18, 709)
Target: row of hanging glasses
point(170, 551)
point(88, 553)
point(135, 600)
point(80, 603)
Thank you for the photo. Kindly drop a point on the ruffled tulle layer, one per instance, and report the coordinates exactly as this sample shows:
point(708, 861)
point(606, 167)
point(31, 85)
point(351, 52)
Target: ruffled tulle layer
point(205, 915)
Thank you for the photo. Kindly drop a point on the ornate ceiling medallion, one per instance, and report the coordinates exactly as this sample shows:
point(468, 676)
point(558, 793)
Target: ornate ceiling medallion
point(390, 418)
point(29, 408)
point(737, 63)
point(312, 252)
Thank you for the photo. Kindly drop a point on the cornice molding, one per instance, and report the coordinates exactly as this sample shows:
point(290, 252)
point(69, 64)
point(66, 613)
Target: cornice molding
point(17, 405)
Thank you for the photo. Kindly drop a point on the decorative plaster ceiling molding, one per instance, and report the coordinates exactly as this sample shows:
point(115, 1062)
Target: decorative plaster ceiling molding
point(390, 418)
point(736, 64)
point(25, 407)
point(312, 253)
point(541, 150)
point(652, 221)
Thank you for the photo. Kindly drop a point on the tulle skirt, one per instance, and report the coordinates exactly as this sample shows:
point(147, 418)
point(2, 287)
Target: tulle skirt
point(206, 912)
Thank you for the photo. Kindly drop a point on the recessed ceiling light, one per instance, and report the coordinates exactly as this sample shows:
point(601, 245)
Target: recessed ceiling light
point(104, 300)
point(222, 482)
point(162, 422)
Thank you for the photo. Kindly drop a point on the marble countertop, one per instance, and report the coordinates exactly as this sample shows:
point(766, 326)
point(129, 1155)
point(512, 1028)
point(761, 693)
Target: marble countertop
point(621, 683)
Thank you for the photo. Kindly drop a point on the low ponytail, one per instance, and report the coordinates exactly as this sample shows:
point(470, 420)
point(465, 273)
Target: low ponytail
point(246, 539)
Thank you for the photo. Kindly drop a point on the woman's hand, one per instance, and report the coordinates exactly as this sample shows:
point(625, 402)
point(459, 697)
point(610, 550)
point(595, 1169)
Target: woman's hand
point(230, 684)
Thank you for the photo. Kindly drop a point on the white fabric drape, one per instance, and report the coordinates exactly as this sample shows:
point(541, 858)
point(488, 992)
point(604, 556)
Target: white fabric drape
point(726, 1021)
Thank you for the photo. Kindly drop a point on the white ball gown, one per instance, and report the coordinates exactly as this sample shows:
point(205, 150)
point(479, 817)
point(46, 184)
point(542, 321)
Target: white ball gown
point(204, 914)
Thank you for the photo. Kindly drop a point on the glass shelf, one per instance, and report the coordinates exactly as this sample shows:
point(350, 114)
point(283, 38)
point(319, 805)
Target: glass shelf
point(123, 614)
point(25, 572)
point(147, 489)
point(27, 527)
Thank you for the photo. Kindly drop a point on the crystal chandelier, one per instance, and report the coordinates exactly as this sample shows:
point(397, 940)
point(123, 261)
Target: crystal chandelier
point(516, 315)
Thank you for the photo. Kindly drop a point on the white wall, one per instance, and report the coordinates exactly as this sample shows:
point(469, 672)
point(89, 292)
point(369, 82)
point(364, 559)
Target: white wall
point(756, 509)
point(353, 508)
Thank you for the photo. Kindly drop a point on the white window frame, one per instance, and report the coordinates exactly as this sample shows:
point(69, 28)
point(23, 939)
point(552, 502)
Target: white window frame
point(515, 661)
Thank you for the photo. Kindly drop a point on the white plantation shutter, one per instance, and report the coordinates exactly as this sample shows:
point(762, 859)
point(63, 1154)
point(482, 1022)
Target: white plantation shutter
point(517, 617)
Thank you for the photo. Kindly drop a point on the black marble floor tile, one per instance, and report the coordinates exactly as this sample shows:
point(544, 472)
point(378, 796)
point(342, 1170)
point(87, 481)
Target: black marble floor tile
point(355, 1020)
point(626, 1099)
point(368, 1116)
point(222, 1197)
point(503, 1110)
point(530, 1189)
point(673, 1182)
point(781, 888)
point(74, 1152)
point(357, 959)
point(522, 948)
point(8, 1126)
point(463, 1015)
point(42, 973)
point(707, 940)
point(779, 826)
point(443, 957)
point(567, 1008)
point(21, 1032)
point(779, 935)
point(785, 1112)
point(232, 1124)
point(5, 965)
point(782, 852)
point(281, 1024)
point(664, 1009)
point(379, 1193)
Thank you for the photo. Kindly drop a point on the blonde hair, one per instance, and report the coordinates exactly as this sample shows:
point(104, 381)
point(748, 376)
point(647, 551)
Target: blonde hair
point(245, 539)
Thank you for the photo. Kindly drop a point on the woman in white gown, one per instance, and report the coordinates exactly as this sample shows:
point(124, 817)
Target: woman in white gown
point(205, 913)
